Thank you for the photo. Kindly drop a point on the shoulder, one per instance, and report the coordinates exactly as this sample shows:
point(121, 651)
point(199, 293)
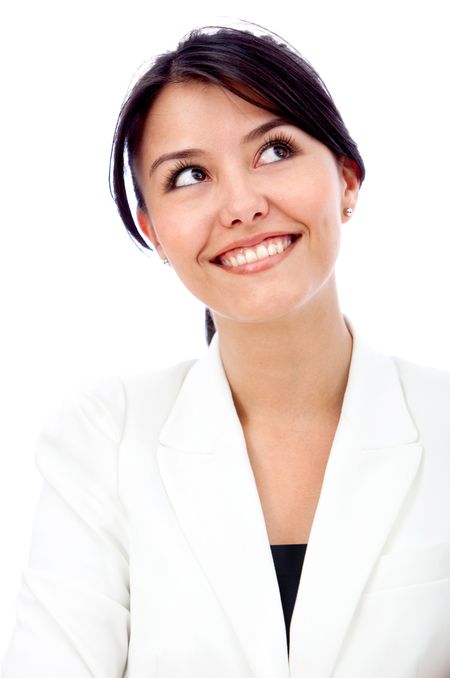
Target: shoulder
point(106, 398)
point(159, 384)
point(90, 420)
point(427, 394)
point(423, 382)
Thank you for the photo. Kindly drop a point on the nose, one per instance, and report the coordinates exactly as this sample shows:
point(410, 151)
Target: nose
point(241, 202)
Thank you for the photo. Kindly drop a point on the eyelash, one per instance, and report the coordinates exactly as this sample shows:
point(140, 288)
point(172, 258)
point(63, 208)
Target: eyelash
point(169, 181)
point(280, 139)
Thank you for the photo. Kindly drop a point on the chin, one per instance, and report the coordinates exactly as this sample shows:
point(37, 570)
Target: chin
point(255, 316)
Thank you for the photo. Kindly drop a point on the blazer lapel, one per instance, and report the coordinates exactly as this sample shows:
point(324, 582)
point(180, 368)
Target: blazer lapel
point(371, 469)
point(205, 468)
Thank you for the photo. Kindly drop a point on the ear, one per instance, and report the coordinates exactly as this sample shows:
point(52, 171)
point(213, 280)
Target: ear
point(148, 230)
point(350, 178)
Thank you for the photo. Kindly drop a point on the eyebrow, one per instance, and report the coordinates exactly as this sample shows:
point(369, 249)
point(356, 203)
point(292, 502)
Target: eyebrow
point(195, 152)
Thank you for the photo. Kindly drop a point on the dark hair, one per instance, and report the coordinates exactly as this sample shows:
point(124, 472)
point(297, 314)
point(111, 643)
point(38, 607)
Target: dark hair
point(261, 69)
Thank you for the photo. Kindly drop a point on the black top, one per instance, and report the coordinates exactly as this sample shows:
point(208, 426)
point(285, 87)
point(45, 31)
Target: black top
point(288, 560)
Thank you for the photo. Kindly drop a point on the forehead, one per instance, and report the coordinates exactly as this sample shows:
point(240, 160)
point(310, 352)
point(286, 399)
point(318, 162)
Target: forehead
point(182, 109)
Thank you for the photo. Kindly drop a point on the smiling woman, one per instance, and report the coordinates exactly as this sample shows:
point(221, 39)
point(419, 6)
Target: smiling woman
point(272, 106)
point(279, 507)
point(248, 184)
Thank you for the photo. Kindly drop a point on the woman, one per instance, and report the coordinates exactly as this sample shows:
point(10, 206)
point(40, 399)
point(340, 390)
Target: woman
point(178, 506)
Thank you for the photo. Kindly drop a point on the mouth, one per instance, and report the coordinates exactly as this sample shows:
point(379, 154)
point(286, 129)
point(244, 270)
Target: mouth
point(266, 252)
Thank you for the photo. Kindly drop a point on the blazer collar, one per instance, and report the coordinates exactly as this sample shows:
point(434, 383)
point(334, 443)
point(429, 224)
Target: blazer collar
point(204, 398)
point(208, 477)
point(373, 402)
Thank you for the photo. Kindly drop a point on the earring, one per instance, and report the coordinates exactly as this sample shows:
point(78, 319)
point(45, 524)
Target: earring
point(165, 260)
point(348, 211)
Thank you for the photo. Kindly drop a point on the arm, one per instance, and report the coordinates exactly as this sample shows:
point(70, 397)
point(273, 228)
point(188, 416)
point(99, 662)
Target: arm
point(73, 606)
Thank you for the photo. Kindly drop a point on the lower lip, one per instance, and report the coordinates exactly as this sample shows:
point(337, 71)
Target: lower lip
point(262, 264)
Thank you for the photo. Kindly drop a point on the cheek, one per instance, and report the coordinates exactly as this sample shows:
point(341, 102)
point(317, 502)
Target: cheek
point(304, 193)
point(322, 202)
point(178, 232)
point(316, 204)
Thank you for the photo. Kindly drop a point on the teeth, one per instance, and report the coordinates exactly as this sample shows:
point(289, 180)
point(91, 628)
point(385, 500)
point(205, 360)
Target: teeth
point(261, 252)
point(249, 255)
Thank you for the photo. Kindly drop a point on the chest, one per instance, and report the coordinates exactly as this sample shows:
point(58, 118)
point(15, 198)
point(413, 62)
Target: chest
point(289, 466)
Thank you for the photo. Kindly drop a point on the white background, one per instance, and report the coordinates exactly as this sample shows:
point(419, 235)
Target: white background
point(78, 298)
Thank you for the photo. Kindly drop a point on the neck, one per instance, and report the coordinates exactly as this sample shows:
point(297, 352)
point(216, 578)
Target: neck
point(294, 367)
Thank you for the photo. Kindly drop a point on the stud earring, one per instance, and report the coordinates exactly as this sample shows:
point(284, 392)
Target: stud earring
point(348, 211)
point(165, 260)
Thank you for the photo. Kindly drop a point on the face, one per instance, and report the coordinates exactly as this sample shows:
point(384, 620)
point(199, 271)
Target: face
point(246, 206)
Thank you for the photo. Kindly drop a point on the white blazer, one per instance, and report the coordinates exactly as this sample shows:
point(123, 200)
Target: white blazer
point(150, 556)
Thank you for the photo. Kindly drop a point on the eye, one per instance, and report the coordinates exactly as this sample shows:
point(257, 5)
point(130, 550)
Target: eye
point(189, 176)
point(184, 175)
point(276, 149)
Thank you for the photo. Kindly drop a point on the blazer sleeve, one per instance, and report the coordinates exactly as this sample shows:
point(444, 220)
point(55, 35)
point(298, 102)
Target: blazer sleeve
point(73, 605)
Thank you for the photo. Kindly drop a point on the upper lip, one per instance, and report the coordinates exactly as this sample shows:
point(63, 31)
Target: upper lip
point(250, 242)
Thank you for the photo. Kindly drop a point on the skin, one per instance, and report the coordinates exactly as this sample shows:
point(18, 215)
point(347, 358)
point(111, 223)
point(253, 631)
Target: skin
point(284, 343)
